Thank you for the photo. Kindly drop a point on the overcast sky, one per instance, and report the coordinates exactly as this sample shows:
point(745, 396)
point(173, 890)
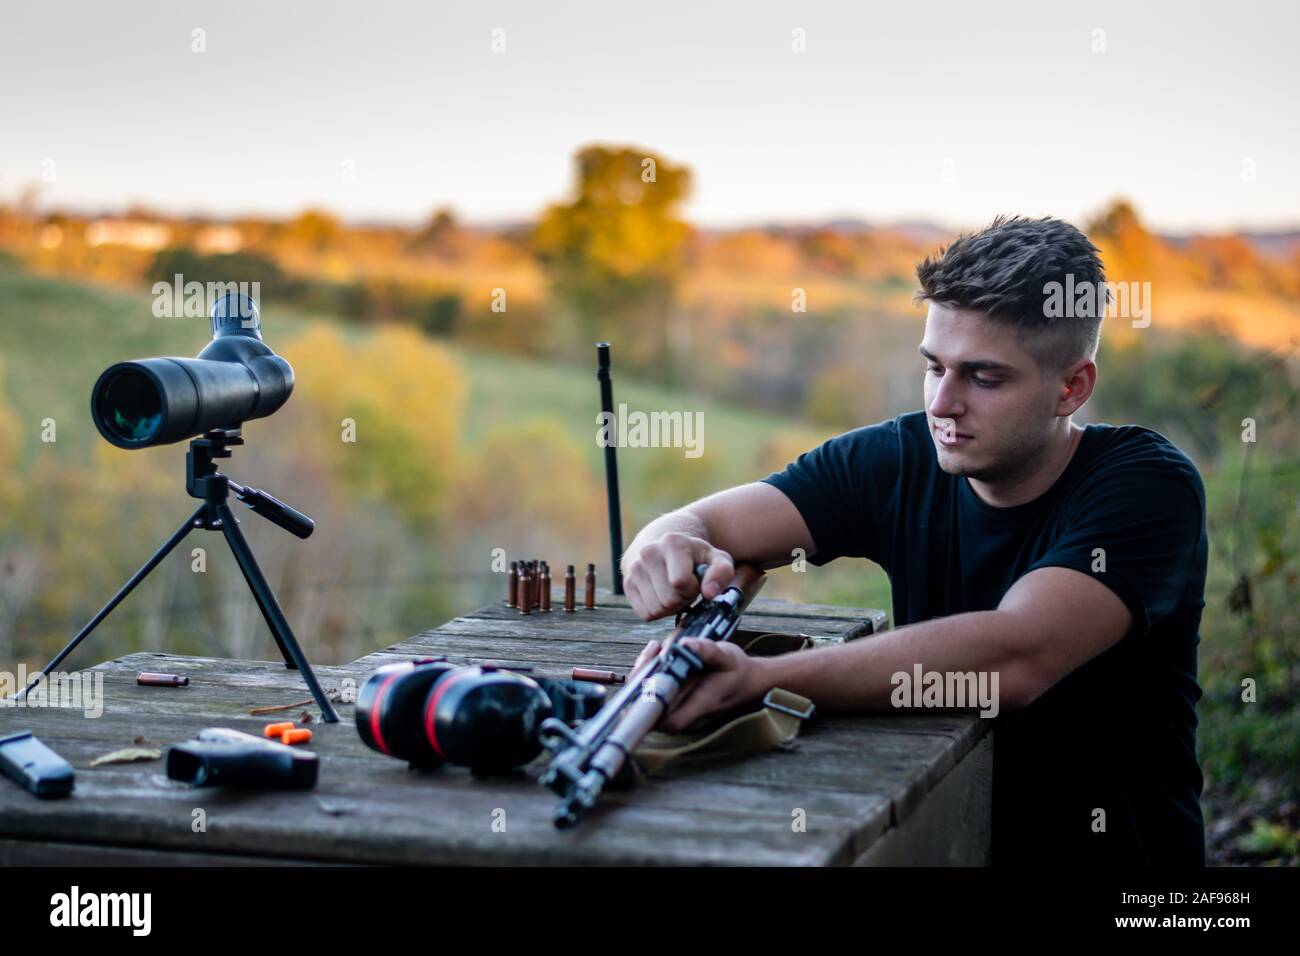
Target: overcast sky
point(383, 110)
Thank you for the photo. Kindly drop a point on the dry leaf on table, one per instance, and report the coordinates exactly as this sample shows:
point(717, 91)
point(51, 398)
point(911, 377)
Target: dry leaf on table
point(128, 755)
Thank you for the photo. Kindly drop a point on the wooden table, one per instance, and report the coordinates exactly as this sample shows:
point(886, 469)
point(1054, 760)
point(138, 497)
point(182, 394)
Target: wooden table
point(912, 789)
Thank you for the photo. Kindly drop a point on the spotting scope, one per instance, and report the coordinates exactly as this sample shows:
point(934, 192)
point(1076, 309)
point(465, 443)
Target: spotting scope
point(156, 401)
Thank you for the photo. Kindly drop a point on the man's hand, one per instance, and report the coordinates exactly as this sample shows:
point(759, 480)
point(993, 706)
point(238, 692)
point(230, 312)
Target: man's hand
point(660, 578)
point(731, 679)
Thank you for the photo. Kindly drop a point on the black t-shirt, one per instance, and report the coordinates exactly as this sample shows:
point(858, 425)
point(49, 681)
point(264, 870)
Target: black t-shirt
point(1118, 734)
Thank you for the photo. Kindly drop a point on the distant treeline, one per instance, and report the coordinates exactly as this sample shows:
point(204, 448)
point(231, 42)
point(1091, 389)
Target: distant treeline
point(437, 311)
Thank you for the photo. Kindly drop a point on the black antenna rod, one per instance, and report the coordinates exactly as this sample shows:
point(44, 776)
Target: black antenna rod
point(611, 465)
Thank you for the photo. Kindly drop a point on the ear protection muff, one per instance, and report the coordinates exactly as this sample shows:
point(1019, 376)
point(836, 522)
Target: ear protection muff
point(429, 712)
point(389, 706)
point(485, 718)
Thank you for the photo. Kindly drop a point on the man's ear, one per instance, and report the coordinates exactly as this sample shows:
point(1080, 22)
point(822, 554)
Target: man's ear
point(1078, 382)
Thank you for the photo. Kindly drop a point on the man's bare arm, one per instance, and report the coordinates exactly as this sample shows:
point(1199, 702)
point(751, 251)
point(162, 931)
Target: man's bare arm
point(1050, 622)
point(753, 522)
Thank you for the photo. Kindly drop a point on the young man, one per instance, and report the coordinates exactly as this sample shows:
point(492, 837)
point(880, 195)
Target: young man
point(1069, 560)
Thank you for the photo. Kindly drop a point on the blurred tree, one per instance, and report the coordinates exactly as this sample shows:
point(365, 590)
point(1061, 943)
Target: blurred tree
point(615, 252)
point(669, 479)
point(255, 233)
point(784, 445)
point(751, 251)
point(1231, 262)
point(1197, 387)
point(835, 397)
point(1129, 251)
point(438, 313)
point(440, 236)
point(315, 228)
point(194, 266)
point(827, 250)
point(390, 409)
point(528, 487)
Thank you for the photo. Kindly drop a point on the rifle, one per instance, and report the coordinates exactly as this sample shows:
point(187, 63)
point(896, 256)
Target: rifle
point(586, 758)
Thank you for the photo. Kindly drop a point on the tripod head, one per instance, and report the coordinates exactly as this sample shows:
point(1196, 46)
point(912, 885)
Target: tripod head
point(202, 480)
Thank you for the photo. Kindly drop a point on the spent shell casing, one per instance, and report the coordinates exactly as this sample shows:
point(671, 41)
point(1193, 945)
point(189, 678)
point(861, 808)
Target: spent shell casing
point(590, 601)
point(512, 586)
point(570, 586)
point(598, 677)
point(545, 587)
point(151, 679)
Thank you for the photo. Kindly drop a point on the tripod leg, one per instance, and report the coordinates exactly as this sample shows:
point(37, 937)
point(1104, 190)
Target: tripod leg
point(275, 620)
point(136, 578)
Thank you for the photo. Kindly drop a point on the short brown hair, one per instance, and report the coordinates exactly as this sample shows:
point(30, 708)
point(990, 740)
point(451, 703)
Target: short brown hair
point(1004, 271)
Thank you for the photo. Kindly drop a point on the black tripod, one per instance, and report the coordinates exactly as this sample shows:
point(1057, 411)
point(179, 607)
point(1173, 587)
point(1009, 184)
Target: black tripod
point(202, 480)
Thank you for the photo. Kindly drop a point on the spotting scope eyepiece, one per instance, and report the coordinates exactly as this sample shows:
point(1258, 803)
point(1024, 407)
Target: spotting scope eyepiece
point(235, 379)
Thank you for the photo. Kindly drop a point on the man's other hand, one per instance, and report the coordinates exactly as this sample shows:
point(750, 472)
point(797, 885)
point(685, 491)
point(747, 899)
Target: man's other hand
point(731, 679)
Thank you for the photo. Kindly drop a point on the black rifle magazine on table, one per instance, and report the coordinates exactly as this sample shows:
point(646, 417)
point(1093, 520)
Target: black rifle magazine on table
point(34, 766)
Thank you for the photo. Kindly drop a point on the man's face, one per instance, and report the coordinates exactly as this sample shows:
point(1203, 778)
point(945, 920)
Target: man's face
point(990, 410)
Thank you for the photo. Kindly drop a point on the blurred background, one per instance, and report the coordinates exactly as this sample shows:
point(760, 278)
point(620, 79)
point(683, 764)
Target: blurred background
point(445, 208)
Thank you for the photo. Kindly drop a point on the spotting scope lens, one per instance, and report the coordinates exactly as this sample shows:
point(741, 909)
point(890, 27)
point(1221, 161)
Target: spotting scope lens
point(235, 379)
point(130, 406)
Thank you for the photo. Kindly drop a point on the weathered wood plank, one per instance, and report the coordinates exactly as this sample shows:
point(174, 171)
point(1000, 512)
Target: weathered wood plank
point(611, 621)
point(61, 853)
point(398, 817)
point(766, 605)
point(953, 826)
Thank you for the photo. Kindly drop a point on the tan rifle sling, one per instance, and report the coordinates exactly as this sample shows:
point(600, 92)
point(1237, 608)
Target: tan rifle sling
point(773, 725)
